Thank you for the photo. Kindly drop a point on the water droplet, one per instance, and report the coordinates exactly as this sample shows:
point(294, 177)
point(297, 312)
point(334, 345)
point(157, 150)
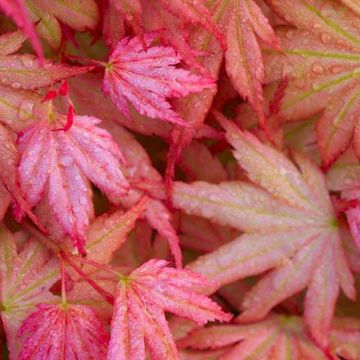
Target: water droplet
point(25, 110)
point(15, 85)
point(290, 34)
point(316, 86)
point(336, 69)
point(66, 160)
point(325, 38)
point(317, 69)
point(27, 61)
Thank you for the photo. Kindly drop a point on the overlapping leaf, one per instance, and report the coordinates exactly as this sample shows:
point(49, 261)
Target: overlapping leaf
point(275, 338)
point(291, 230)
point(63, 331)
point(25, 72)
point(148, 78)
point(321, 64)
point(141, 299)
point(18, 12)
point(56, 164)
point(25, 278)
point(145, 179)
point(79, 15)
point(242, 21)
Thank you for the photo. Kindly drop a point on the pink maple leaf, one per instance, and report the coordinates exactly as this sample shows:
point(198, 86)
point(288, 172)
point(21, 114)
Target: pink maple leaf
point(58, 162)
point(63, 332)
point(148, 77)
point(141, 299)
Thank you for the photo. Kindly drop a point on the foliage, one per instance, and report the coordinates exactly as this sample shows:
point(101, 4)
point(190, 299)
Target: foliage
point(169, 163)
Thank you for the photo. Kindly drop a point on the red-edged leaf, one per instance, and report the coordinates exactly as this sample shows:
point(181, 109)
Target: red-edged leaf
point(141, 299)
point(58, 163)
point(148, 78)
point(10, 179)
point(63, 332)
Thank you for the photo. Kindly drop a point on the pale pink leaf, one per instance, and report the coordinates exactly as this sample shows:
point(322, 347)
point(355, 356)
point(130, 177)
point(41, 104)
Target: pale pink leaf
point(11, 42)
point(25, 72)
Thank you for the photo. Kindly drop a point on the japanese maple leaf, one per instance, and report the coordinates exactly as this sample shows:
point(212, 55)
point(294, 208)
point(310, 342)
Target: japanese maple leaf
point(141, 299)
point(140, 172)
point(145, 179)
point(80, 15)
point(243, 22)
point(17, 10)
point(148, 77)
point(128, 11)
point(25, 72)
point(25, 279)
point(56, 164)
point(322, 70)
point(275, 338)
point(9, 179)
point(343, 177)
point(292, 232)
point(63, 331)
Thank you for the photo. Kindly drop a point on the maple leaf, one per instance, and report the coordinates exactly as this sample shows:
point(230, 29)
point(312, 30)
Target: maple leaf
point(109, 232)
point(291, 230)
point(80, 15)
point(57, 163)
point(322, 69)
point(85, 91)
point(343, 177)
point(11, 42)
point(25, 72)
point(9, 179)
point(172, 31)
point(16, 9)
point(25, 279)
point(130, 11)
point(144, 179)
point(195, 13)
point(113, 29)
point(242, 21)
point(277, 337)
point(63, 331)
point(345, 338)
point(147, 78)
point(141, 299)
